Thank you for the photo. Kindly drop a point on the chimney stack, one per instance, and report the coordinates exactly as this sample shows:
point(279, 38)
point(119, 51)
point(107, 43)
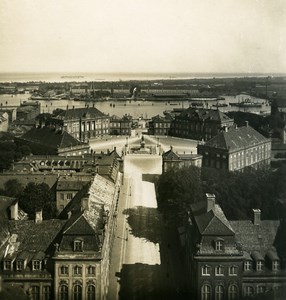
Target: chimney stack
point(256, 216)
point(38, 216)
point(14, 211)
point(210, 201)
point(226, 129)
point(246, 123)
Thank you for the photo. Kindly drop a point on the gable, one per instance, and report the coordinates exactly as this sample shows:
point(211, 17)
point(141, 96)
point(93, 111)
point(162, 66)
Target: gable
point(79, 226)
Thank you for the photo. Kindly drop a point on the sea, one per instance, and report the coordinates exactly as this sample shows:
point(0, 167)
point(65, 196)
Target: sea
point(82, 77)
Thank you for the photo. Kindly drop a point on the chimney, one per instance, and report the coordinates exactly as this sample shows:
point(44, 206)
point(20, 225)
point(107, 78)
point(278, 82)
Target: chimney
point(69, 214)
point(14, 211)
point(85, 202)
point(38, 216)
point(246, 123)
point(226, 129)
point(256, 216)
point(210, 201)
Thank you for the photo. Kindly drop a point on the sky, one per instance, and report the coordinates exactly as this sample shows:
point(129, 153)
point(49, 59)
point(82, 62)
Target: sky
point(216, 36)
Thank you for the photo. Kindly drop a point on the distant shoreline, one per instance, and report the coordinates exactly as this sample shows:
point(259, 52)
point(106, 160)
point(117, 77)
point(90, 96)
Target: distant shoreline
point(25, 77)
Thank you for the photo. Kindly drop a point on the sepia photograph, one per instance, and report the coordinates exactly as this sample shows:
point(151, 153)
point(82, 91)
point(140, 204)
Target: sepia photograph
point(142, 150)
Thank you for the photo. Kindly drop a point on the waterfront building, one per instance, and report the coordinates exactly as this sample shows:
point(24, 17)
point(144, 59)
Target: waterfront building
point(64, 258)
point(199, 123)
point(235, 149)
point(232, 259)
point(160, 125)
point(120, 126)
point(172, 160)
point(83, 123)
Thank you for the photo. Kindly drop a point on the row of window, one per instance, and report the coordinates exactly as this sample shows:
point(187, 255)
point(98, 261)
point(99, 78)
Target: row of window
point(35, 293)
point(20, 265)
point(219, 270)
point(77, 292)
point(76, 270)
point(219, 292)
point(259, 265)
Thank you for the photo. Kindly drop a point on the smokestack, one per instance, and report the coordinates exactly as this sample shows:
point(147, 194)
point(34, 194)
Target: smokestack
point(14, 211)
point(210, 201)
point(256, 216)
point(246, 123)
point(39, 216)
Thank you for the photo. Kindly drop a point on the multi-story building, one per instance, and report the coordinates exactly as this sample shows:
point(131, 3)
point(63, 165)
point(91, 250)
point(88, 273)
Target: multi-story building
point(236, 149)
point(199, 123)
point(232, 259)
point(172, 160)
point(160, 125)
point(64, 258)
point(49, 140)
point(120, 126)
point(83, 123)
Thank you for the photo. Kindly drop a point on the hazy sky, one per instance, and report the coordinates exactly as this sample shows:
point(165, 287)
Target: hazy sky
point(143, 35)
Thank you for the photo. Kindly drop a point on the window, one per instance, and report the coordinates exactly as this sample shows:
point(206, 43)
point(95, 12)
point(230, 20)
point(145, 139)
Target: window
point(219, 270)
point(219, 292)
point(64, 270)
point(91, 270)
point(233, 270)
point(206, 270)
point(64, 293)
point(219, 245)
point(77, 292)
point(47, 293)
point(248, 291)
point(77, 270)
point(232, 292)
point(69, 196)
point(78, 245)
point(275, 265)
point(7, 265)
point(206, 292)
point(261, 289)
point(36, 265)
point(90, 292)
point(259, 265)
point(35, 292)
point(247, 265)
point(19, 265)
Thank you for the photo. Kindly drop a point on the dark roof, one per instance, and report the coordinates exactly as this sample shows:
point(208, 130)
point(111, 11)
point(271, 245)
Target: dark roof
point(236, 138)
point(77, 113)
point(50, 137)
point(171, 155)
point(205, 114)
point(158, 118)
point(256, 237)
point(212, 222)
point(71, 183)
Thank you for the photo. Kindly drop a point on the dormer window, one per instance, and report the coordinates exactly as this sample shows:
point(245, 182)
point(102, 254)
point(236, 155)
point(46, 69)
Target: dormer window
point(7, 265)
point(36, 265)
point(247, 265)
point(19, 265)
point(259, 265)
point(219, 245)
point(78, 245)
point(275, 265)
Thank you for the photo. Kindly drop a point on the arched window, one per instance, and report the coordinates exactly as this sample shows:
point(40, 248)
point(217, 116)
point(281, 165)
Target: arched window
point(64, 293)
point(90, 292)
point(232, 292)
point(77, 292)
point(206, 292)
point(219, 292)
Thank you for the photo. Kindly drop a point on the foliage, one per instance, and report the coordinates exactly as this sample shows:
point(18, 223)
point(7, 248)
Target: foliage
point(35, 197)
point(12, 188)
point(13, 293)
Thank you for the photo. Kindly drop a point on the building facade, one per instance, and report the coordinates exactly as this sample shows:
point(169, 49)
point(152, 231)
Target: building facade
point(84, 123)
point(236, 149)
point(232, 259)
point(199, 123)
point(160, 125)
point(120, 126)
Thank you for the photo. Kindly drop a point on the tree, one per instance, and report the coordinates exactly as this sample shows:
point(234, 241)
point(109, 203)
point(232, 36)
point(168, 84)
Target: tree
point(13, 188)
point(36, 197)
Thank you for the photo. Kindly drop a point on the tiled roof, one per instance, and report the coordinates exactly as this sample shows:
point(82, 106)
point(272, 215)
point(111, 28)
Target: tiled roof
point(205, 114)
point(77, 113)
point(170, 154)
point(71, 183)
point(159, 118)
point(49, 137)
point(32, 237)
point(236, 138)
point(256, 237)
point(213, 222)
